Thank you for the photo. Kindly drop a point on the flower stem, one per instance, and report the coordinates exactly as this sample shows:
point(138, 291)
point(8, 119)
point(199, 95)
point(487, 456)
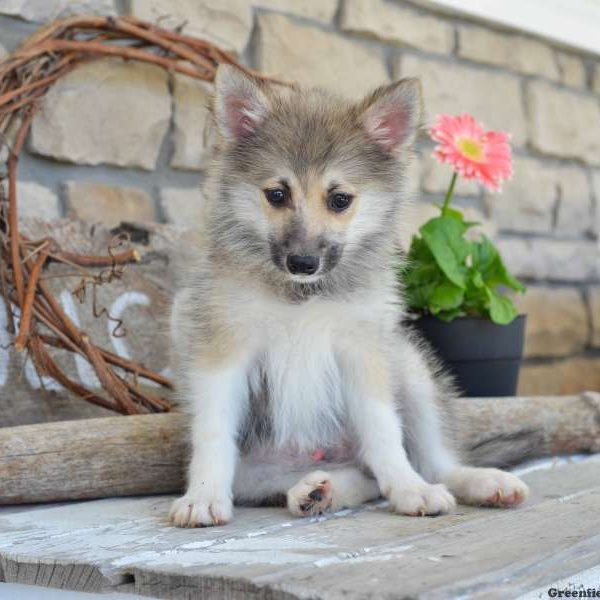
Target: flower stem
point(449, 193)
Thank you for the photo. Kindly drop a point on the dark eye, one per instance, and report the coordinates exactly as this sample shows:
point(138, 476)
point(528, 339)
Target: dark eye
point(339, 201)
point(276, 196)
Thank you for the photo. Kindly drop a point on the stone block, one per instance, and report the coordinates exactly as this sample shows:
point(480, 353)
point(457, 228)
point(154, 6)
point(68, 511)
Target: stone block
point(572, 70)
point(107, 111)
point(314, 57)
point(226, 23)
point(575, 210)
point(570, 376)
point(556, 260)
point(397, 24)
point(596, 192)
point(41, 11)
point(35, 201)
point(109, 205)
point(183, 207)
point(563, 123)
point(596, 79)
point(557, 323)
point(527, 201)
point(594, 306)
point(492, 98)
point(193, 125)
point(515, 52)
point(317, 10)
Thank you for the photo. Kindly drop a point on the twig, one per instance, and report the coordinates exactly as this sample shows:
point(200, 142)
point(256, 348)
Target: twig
point(110, 382)
point(117, 361)
point(45, 364)
point(27, 307)
point(122, 258)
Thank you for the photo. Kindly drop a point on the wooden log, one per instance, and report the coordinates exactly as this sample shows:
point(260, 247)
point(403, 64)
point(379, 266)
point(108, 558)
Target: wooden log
point(92, 458)
point(506, 431)
point(122, 456)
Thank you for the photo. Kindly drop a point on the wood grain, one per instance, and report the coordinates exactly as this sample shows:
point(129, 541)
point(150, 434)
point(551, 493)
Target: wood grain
point(122, 456)
point(126, 544)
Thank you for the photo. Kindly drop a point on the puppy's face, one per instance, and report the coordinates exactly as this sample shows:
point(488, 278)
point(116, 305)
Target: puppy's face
point(309, 182)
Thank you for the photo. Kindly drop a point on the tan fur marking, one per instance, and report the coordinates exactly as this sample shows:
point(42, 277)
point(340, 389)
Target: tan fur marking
point(309, 198)
point(222, 347)
point(318, 217)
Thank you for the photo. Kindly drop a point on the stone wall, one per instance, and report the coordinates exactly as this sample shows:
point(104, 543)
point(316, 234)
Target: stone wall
point(118, 141)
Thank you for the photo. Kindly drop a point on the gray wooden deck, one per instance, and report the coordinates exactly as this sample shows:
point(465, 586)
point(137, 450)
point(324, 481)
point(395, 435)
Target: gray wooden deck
point(126, 545)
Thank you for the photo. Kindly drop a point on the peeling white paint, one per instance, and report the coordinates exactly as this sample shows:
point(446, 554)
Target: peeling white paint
point(86, 373)
point(117, 309)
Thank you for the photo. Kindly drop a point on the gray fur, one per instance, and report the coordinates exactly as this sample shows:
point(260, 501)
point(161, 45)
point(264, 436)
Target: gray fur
point(298, 359)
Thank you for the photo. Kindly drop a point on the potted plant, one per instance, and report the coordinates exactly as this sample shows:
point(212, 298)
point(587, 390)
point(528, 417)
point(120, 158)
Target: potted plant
point(456, 287)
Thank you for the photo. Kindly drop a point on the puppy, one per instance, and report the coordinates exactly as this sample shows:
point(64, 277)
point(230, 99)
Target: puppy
point(286, 333)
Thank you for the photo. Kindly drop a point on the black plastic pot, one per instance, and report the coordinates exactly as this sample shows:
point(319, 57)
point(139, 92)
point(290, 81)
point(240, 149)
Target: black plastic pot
point(484, 358)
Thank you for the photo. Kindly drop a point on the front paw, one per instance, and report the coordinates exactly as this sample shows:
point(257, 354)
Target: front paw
point(421, 499)
point(197, 510)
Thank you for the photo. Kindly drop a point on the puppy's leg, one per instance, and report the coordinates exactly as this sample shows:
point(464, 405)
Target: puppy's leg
point(218, 399)
point(430, 450)
point(332, 487)
point(321, 491)
point(379, 428)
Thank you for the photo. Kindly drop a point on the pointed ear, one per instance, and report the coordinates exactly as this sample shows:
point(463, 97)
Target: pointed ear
point(392, 115)
point(240, 105)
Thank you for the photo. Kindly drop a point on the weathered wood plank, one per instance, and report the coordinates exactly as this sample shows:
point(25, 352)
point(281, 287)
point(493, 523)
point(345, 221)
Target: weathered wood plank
point(356, 554)
point(475, 559)
point(120, 456)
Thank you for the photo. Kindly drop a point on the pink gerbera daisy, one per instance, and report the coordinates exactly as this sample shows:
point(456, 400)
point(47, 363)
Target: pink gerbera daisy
point(473, 152)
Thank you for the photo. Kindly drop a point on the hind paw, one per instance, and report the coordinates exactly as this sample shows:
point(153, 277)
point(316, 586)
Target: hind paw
point(487, 487)
point(312, 495)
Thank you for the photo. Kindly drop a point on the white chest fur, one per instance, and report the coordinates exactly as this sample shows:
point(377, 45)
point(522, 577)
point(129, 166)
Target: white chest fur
point(299, 361)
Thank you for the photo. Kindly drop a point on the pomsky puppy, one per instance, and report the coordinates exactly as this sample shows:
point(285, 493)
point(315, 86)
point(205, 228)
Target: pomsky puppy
point(287, 340)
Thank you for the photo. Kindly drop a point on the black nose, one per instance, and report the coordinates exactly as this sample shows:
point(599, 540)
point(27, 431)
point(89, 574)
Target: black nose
point(302, 265)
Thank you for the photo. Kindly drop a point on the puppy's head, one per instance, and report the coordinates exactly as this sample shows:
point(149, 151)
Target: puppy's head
point(309, 186)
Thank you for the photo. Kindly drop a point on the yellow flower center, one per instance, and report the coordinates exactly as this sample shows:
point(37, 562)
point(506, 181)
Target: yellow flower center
point(470, 148)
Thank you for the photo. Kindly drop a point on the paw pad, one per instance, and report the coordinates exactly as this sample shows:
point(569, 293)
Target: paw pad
point(310, 496)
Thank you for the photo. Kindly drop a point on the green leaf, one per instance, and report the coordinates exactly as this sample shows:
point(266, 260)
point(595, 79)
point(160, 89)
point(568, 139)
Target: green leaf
point(446, 296)
point(454, 214)
point(502, 310)
point(444, 238)
point(420, 275)
point(477, 279)
point(488, 262)
point(448, 276)
point(450, 315)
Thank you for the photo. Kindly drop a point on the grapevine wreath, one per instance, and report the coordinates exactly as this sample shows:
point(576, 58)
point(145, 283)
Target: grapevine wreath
point(25, 77)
